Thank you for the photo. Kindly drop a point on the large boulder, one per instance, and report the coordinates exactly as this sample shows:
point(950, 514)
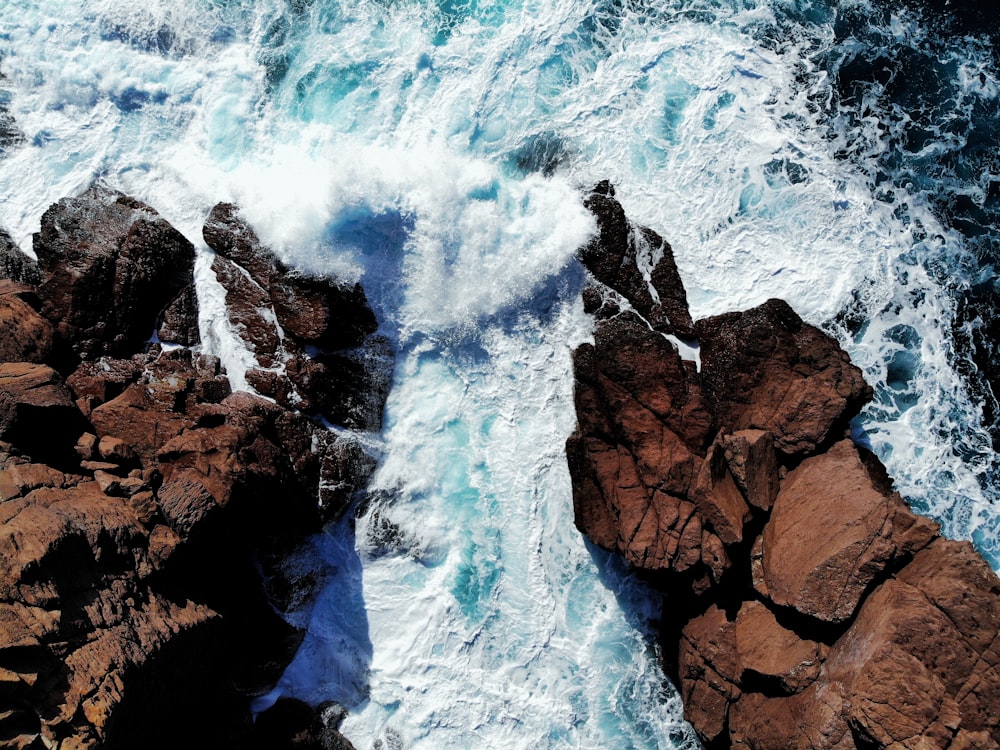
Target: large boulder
point(822, 569)
point(110, 265)
point(643, 428)
point(37, 412)
point(766, 369)
point(312, 337)
point(25, 336)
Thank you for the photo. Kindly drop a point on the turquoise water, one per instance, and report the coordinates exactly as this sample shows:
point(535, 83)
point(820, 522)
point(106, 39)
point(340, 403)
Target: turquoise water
point(436, 152)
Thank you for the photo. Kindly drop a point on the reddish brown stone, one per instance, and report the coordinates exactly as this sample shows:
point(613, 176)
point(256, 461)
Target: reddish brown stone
point(709, 672)
point(751, 459)
point(767, 649)
point(25, 336)
point(765, 369)
point(37, 411)
point(831, 533)
point(718, 499)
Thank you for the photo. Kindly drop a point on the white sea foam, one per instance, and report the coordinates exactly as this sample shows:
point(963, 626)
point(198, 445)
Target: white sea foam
point(404, 144)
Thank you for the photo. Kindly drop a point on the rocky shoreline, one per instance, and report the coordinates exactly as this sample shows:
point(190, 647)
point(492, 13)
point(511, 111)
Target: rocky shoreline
point(146, 507)
point(806, 606)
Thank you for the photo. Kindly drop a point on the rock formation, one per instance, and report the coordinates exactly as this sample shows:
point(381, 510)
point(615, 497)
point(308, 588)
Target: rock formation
point(806, 605)
point(141, 499)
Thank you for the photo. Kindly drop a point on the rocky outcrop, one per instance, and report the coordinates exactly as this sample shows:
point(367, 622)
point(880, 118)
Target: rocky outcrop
point(145, 508)
point(110, 266)
point(282, 314)
point(806, 605)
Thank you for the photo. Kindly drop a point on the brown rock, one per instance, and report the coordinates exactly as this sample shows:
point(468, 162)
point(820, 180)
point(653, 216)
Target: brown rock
point(249, 307)
point(111, 264)
point(116, 450)
point(719, 501)
point(37, 411)
point(709, 671)
point(751, 459)
point(767, 649)
point(810, 720)
point(822, 569)
point(642, 428)
point(312, 310)
point(179, 324)
point(25, 336)
point(765, 369)
point(896, 696)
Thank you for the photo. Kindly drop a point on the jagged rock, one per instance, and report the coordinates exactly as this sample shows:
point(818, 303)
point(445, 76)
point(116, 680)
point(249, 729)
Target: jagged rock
point(15, 265)
point(180, 319)
point(132, 607)
point(37, 412)
point(292, 321)
point(832, 531)
point(249, 308)
point(110, 264)
point(25, 336)
point(643, 427)
point(313, 310)
point(718, 499)
point(766, 649)
point(751, 459)
point(807, 607)
point(765, 369)
point(709, 671)
point(622, 256)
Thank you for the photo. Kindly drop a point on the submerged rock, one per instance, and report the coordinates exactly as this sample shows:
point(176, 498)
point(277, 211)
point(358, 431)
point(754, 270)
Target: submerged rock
point(807, 606)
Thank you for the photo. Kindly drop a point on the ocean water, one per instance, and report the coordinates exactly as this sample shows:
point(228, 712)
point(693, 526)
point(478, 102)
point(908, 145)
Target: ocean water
point(842, 156)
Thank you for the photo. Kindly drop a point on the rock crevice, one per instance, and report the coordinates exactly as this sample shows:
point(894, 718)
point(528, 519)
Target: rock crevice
point(806, 605)
point(141, 499)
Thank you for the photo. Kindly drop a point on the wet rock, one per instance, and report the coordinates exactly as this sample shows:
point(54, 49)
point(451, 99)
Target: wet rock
point(142, 500)
point(622, 256)
point(313, 310)
point(180, 319)
point(312, 337)
point(806, 606)
point(15, 265)
point(110, 265)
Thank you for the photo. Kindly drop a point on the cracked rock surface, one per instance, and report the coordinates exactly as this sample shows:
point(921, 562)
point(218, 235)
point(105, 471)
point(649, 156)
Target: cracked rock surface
point(806, 605)
point(146, 508)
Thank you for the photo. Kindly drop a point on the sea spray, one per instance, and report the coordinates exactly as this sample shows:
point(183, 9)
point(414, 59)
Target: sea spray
point(437, 152)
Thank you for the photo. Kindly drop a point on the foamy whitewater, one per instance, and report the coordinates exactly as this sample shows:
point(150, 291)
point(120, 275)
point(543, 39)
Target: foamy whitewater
point(437, 152)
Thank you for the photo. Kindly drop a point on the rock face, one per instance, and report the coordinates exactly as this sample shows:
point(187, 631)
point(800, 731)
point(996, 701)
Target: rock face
point(111, 264)
point(806, 605)
point(282, 314)
point(141, 499)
